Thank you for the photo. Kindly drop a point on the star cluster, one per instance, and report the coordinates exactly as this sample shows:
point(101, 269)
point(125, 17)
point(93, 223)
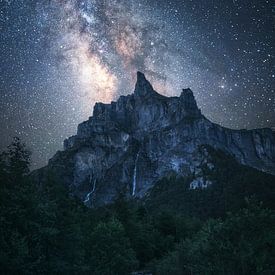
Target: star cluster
point(59, 57)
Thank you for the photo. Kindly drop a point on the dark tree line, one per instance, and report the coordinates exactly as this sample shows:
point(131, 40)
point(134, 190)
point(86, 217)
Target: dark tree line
point(44, 230)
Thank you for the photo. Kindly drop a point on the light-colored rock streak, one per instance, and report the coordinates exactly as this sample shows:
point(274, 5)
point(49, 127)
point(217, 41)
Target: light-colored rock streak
point(135, 175)
point(90, 193)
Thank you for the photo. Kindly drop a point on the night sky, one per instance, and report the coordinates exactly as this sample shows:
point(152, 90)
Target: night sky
point(57, 58)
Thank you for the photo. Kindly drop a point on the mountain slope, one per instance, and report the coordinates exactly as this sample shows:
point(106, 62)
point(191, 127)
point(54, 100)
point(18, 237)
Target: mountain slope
point(231, 185)
point(128, 145)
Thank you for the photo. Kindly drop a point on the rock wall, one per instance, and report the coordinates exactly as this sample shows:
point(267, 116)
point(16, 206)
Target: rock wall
point(126, 146)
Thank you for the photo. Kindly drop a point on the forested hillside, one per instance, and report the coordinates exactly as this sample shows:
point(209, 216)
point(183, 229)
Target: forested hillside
point(227, 228)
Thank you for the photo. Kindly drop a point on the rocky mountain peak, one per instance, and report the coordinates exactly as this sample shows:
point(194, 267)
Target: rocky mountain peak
point(132, 143)
point(143, 87)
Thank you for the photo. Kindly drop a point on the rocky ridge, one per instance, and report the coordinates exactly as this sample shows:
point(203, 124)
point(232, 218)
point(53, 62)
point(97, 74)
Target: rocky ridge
point(128, 145)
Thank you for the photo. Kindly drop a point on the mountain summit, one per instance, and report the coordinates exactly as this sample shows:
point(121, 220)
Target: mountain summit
point(143, 86)
point(128, 145)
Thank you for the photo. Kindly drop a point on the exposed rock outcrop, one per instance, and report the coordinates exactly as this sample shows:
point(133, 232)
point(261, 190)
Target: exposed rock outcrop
point(130, 144)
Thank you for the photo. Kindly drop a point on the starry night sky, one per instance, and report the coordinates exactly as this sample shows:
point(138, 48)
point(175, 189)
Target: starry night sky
point(57, 58)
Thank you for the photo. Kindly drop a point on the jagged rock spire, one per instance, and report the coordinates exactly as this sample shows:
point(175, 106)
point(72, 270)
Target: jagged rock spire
point(189, 102)
point(143, 86)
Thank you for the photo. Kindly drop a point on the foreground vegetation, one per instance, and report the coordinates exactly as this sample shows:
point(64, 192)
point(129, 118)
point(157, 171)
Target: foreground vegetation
point(227, 229)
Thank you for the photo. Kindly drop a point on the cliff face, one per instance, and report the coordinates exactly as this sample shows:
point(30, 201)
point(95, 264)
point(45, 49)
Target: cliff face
point(126, 146)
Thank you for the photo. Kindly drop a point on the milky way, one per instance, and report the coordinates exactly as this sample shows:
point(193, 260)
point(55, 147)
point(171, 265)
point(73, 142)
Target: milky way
point(59, 57)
